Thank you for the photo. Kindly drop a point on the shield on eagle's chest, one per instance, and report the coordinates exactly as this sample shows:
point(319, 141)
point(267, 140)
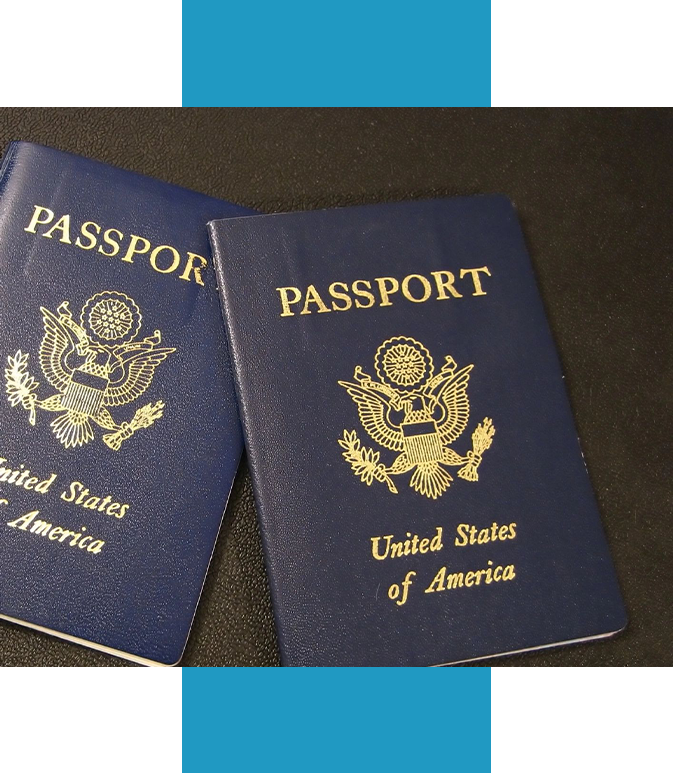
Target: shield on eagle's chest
point(422, 442)
point(84, 394)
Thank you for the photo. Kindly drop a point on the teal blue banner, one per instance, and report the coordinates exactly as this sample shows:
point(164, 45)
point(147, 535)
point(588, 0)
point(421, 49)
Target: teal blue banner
point(424, 54)
point(417, 720)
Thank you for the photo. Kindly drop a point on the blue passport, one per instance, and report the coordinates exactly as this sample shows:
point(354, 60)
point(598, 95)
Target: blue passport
point(421, 490)
point(119, 432)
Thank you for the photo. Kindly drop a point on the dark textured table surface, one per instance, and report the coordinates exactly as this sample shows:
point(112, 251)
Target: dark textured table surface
point(594, 192)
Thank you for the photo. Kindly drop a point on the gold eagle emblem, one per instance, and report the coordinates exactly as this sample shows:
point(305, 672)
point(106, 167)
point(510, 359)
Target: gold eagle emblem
point(94, 364)
point(416, 413)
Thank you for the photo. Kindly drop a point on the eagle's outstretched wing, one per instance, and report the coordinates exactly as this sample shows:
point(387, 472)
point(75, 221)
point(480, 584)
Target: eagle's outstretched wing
point(451, 395)
point(138, 373)
point(373, 410)
point(57, 343)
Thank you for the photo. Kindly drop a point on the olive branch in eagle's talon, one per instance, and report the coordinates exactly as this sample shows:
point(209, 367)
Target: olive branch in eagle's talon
point(365, 461)
point(20, 385)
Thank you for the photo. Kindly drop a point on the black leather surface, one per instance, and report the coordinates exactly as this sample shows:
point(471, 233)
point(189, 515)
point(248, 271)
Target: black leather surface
point(593, 190)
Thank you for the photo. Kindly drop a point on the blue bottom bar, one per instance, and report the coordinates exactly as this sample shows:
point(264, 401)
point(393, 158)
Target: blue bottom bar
point(413, 720)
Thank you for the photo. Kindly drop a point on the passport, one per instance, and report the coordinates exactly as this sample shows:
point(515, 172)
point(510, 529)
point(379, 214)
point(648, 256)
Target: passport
point(421, 491)
point(119, 432)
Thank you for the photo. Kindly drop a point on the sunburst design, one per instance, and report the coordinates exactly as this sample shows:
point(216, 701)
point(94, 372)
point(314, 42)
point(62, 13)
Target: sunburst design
point(110, 319)
point(403, 363)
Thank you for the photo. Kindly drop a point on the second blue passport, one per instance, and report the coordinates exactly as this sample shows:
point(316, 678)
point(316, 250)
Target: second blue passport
point(119, 434)
point(420, 486)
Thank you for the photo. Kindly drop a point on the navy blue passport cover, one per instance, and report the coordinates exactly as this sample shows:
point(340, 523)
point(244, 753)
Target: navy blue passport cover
point(422, 494)
point(119, 432)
